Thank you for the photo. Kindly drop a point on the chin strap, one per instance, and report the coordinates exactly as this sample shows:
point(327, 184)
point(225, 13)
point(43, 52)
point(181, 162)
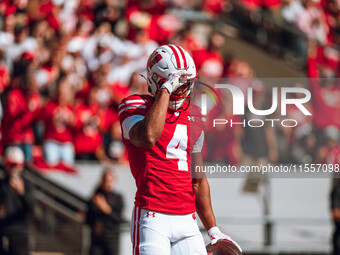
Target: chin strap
point(176, 104)
point(179, 111)
point(141, 75)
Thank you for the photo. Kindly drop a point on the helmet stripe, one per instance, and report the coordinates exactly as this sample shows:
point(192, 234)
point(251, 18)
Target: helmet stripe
point(183, 56)
point(178, 62)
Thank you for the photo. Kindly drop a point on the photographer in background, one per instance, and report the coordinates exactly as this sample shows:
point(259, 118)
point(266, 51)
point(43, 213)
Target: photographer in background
point(16, 202)
point(105, 216)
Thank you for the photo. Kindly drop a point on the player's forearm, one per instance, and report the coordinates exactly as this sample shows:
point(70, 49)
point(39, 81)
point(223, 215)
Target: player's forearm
point(203, 203)
point(146, 132)
point(336, 214)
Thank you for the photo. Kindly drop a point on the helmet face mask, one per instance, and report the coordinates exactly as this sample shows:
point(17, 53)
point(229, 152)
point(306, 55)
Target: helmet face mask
point(162, 62)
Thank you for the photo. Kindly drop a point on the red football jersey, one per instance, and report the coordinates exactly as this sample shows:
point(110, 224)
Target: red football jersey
point(210, 64)
point(162, 173)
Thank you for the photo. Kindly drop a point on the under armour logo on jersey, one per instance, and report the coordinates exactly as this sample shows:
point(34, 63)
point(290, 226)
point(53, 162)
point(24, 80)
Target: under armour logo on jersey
point(151, 214)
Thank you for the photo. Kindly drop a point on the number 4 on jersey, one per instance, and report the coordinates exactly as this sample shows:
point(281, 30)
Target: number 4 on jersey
point(177, 148)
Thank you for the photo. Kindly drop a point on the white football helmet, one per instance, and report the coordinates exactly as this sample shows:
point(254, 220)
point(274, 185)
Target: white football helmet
point(165, 60)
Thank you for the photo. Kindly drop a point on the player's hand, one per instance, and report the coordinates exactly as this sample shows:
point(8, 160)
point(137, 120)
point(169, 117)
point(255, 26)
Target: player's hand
point(2, 212)
point(175, 80)
point(215, 234)
point(100, 201)
point(17, 184)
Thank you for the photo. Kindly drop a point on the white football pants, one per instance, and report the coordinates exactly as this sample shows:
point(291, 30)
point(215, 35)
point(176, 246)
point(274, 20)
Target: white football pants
point(154, 233)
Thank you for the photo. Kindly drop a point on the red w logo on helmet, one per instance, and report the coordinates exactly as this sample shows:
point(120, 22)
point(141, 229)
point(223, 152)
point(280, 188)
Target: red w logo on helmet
point(153, 59)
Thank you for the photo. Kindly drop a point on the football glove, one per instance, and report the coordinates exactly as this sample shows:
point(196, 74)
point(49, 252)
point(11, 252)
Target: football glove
point(175, 80)
point(215, 234)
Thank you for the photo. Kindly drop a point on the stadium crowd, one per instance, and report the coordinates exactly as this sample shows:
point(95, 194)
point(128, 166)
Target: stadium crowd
point(66, 65)
point(317, 19)
point(64, 71)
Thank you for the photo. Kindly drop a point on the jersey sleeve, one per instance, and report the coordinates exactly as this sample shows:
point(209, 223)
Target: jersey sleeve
point(131, 111)
point(197, 127)
point(199, 144)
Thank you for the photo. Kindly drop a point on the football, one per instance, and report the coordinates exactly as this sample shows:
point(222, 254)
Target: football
point(223, 247)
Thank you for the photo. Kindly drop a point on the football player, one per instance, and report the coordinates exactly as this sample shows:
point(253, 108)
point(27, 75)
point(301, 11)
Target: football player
point(161, 149)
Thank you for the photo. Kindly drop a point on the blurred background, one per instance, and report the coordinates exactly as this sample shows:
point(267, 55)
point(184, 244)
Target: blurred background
point(65, 65)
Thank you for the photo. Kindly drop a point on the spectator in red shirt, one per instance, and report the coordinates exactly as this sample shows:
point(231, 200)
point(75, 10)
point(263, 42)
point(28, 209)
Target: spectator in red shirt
point(187, 39)
point(325, 93)
point(150, 15)
point(21, 109)
point(58, 119)
point(209, 62)
point(100, 81)
point(92, 120)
